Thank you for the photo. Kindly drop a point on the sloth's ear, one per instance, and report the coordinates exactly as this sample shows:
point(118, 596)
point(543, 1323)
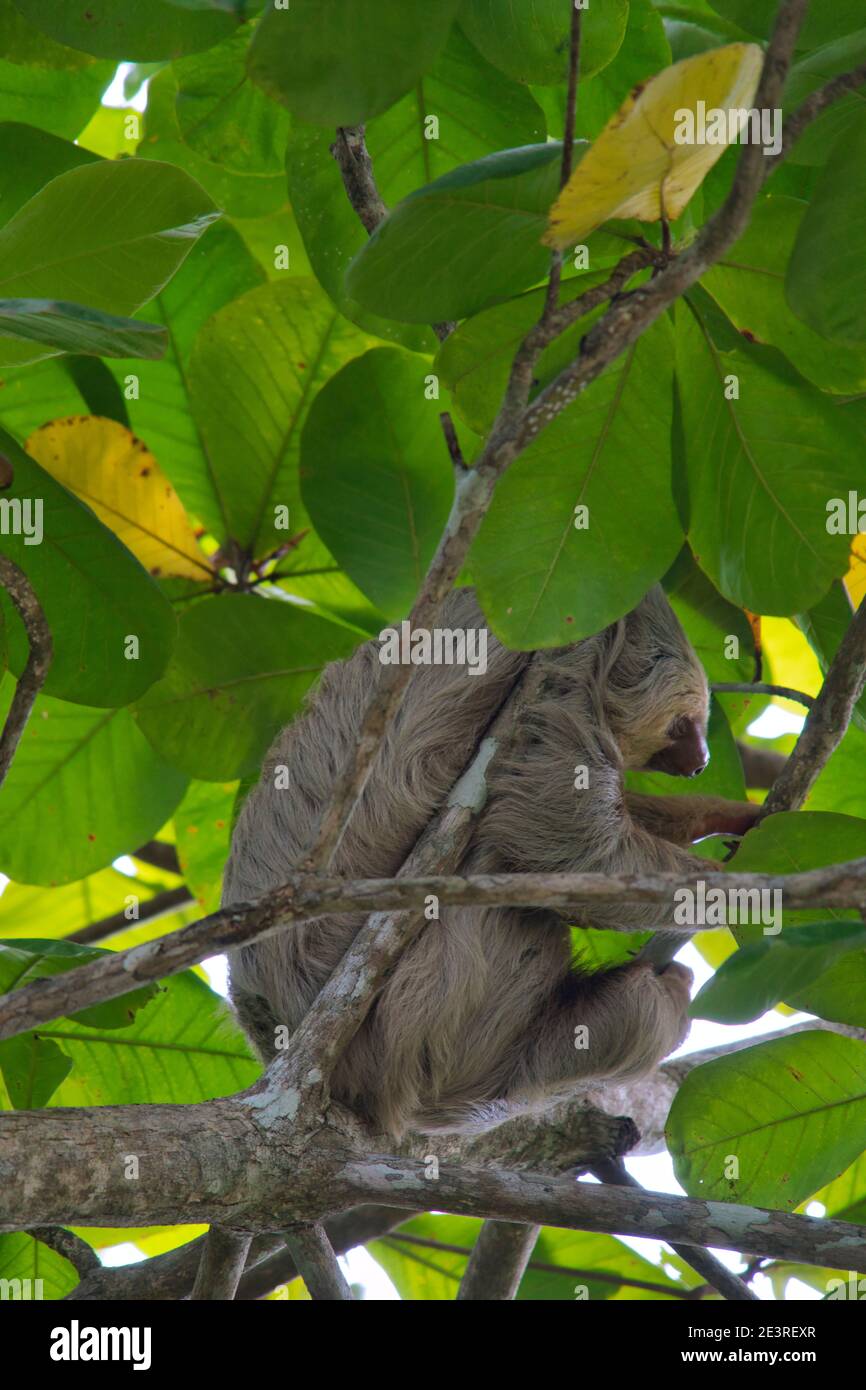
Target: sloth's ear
point(687, 753)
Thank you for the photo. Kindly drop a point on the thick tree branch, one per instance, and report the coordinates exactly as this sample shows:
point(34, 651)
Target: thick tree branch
point(497, 1262)
point(32, 678)
point(305, 897)
point(66, 1243)
point(717, 1275)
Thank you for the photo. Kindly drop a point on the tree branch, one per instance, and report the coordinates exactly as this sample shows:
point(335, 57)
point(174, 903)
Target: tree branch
point(761, 688)
point(32, 678)
point(497, 1261)
point(827, 721)
point(305, 897)
point(717, 1275)
point(160, 856)
point(160, 905)
point(223, 1258)
point(317, 1264)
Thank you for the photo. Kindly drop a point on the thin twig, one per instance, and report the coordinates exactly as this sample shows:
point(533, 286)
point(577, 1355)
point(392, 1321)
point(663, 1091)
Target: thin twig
point(317, 1264)
point(784, 692)
point(455, 453)
point(32, 678)
point(614, 1171)
point(161, 905)
point(827, 721)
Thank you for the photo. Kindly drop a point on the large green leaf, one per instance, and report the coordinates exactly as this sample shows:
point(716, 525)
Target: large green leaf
point(749, 285)
point(761, 468)
point(239, 195)
point(478, 111)
point(127, 226)
point(255, 368)
point(792, 842)
point(376, 476)
point(157, 394)
point(44, 83)
point(826, 280)
point(710, 621)
point(223, 116)
point(75, 328)
point(203, 826)
point(530, 41)
point(84, 787)
point(93, 591)
point(183, 1048)
point(763, 974)
point(132, 30)
point(462, 242)
point(822, 22)
point(241, 667)
point(791, 1112)
point(339, 62)
point(29, 158)
point(541, 580)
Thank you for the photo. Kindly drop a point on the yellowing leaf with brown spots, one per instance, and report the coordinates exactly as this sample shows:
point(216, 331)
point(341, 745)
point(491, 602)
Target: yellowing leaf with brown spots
point(637, 166)
point(855, 579)
point(104, 464)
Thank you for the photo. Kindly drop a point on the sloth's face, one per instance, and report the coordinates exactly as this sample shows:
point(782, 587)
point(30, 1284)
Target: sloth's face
point(659, 699)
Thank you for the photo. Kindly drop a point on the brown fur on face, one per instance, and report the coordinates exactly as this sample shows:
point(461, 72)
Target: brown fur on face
point(482, 1008)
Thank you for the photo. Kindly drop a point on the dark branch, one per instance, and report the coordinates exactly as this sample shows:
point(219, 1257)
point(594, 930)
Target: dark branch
point(498, 1261)
point(172, 900)
point(317, 1264)
point(32, 678)
point(761, 688)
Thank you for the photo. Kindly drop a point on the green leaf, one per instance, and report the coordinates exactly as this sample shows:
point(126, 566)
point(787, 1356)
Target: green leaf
point(25, 959)
point(223, 116)
point(710, 621)
point(543, 582)
point(793, 842)
point(44, 83)
point(242, 665)
point(749, 285)
point(75, 328)
point(84, 787)
point(792, 1112)
point(203, 827)
point(127, 227)
point(25, 1258)
point(183, 1048)
point(530, 42)
point(29, 158)
point(255, 368)
point(478, 111)
point(462, 242)
point(760, 976)
point(93, 591)
point(99, 390)
point(339, 62)
point(822, 22)
point(826, 280)
point(239, 195)
point(760, 469)
point(32, 1069)
point(841, 56)
point(132, 30)
point(378, 497)
point(157, 394)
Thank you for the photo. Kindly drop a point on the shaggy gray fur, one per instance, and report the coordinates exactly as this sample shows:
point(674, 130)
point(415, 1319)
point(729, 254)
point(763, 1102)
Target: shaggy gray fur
point(482, 1007)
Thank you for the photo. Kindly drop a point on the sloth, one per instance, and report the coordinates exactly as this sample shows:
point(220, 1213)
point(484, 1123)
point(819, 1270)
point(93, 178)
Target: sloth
point(490, 1009)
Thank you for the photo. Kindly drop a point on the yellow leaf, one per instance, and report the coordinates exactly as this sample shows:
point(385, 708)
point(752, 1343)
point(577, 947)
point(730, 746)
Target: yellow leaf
point(104, 464)
point(637, 166)
point(855, 579)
